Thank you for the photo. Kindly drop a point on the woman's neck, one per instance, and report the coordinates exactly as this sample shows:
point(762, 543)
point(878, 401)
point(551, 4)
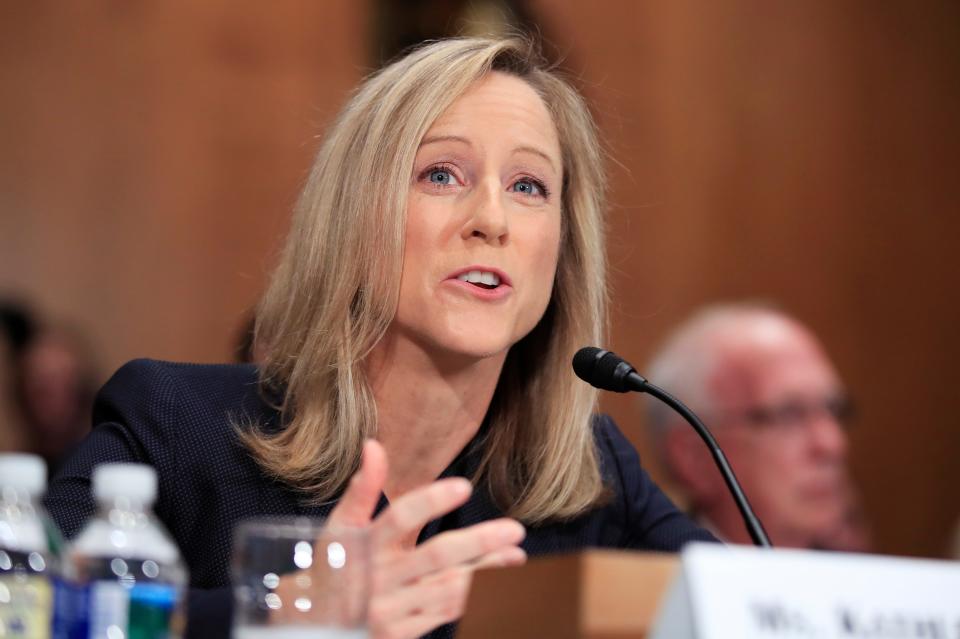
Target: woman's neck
point(429, 408)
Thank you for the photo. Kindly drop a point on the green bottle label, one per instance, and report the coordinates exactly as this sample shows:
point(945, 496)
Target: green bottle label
point(151, 611)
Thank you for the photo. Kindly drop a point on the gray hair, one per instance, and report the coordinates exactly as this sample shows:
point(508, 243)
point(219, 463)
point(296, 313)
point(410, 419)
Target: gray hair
point(686, 360)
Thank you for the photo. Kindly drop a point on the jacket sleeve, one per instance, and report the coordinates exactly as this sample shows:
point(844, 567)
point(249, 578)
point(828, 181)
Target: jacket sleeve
point(652, 521)
point(122, 432)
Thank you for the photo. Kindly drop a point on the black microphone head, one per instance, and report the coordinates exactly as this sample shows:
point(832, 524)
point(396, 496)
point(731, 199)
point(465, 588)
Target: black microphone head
point(585, 362)
point(603, 369)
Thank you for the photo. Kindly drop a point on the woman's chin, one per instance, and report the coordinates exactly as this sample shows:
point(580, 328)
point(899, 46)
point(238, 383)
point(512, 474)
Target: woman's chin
point(463, 344)
point(471, 348)
point(478, 352)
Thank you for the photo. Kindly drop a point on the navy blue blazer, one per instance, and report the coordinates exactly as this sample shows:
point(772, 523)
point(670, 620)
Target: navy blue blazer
point(180, 418)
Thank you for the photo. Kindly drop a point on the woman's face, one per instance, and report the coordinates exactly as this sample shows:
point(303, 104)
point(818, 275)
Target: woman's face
point(483, 223)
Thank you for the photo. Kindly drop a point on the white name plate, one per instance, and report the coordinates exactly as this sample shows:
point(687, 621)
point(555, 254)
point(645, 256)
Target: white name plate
point(741, 592)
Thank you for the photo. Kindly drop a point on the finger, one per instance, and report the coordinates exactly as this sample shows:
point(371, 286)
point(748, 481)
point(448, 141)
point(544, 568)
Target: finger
point(421, 607)
point(363, 492)
point(434, 600)
point(467, 545)
point(437, 599)
point(412, 511)
point(504, 558)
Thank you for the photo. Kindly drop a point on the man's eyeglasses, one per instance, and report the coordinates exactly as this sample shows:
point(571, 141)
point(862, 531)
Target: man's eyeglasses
point(790, 415)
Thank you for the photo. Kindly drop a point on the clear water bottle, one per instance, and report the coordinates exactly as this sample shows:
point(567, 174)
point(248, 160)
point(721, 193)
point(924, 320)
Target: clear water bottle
point(29, 550)
point(130, 580)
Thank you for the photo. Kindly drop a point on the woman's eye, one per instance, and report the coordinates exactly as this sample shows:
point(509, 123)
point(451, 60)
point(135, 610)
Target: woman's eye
point(442, 177)
point(529, 187)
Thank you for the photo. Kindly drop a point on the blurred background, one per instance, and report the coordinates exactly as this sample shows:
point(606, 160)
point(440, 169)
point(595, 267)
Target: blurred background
point(801, 153)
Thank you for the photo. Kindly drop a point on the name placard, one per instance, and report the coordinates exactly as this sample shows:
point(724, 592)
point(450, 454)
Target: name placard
point(745, 593)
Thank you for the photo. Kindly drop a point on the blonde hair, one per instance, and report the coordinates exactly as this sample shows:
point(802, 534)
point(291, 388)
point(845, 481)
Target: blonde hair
point(334, 293)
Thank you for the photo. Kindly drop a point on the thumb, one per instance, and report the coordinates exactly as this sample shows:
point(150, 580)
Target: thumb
point(363, 492)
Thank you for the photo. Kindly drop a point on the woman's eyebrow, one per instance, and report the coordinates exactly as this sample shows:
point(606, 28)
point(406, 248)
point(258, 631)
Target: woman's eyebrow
point(534, 150)
point(518, 149)
point(444, 138)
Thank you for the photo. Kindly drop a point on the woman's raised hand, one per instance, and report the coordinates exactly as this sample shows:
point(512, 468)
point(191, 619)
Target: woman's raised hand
point(418, 588)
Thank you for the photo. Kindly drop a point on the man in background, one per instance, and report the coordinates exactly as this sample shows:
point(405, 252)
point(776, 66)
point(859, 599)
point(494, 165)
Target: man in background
point(764, 385)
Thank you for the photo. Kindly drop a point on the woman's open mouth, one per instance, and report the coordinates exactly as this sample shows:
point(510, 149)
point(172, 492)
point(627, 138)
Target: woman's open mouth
point(482, 279)
point(484, 282)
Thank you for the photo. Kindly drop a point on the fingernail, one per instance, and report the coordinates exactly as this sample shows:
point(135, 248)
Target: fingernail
point(514, 530)
point(462, 486)
point(512, 557)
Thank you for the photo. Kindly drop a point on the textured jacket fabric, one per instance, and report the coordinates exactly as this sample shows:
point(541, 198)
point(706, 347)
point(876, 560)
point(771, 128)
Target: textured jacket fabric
point(182, 419)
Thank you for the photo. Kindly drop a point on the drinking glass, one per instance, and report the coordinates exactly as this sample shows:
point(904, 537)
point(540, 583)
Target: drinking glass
point(298, 577)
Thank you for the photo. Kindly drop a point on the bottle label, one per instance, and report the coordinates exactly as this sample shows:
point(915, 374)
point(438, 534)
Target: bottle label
point(151, 611)
point(69, 610)
point(26, 606)
point(108, 609)
point(130, 611)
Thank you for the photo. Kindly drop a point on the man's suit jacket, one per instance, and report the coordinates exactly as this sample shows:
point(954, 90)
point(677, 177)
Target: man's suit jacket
point(182, 419)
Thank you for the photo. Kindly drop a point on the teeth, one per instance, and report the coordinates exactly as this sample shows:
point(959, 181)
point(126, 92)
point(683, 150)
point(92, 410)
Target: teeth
point(480, 277)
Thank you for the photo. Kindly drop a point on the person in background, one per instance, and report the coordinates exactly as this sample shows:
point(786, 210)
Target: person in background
point(764, 385)
point(444, 263)
point(48, 384)
point(16, 331)
point(55, 390)
point(17, 325)
point(11, 430)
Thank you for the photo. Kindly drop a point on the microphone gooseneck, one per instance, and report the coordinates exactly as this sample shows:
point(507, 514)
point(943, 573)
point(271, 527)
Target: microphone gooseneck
point(607, 371)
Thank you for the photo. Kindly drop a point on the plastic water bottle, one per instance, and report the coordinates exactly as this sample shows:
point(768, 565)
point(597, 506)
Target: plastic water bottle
point(130, 578)
point(29, 550)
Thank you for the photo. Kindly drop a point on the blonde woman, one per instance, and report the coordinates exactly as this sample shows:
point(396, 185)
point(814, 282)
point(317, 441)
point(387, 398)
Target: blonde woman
point(444, 263)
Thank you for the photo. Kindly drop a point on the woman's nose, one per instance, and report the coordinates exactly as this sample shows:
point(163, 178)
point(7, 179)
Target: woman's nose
point(488, 215)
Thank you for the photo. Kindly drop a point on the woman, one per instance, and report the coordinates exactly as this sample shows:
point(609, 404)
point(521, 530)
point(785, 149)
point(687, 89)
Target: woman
point(444, 263)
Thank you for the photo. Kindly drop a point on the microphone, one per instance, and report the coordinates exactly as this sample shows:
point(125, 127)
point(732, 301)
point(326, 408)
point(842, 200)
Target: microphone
point(607, 371)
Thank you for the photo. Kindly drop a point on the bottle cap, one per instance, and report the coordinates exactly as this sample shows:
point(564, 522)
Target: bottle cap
point(23, 472)
point(133, 481)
